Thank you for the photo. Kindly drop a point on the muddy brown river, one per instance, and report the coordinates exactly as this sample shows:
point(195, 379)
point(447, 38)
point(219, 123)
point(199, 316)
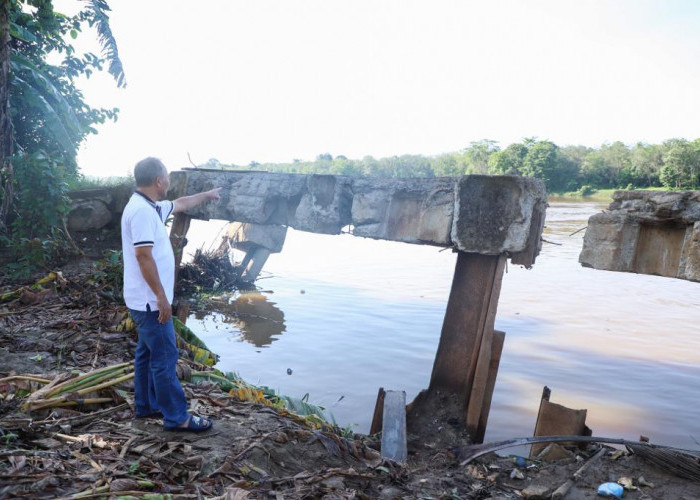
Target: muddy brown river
point(339, 316)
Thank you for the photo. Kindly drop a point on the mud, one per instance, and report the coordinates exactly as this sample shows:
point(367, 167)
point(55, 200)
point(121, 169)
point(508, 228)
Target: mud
point(254, 450)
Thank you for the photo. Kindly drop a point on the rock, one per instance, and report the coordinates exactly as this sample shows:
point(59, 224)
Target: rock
point(537, 492)
point(391, 492)
point(643, 482)
point(554, 453)
point(516, 474)
point(89, 214)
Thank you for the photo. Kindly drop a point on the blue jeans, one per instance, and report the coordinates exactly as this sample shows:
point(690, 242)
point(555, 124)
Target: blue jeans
point(156, 386)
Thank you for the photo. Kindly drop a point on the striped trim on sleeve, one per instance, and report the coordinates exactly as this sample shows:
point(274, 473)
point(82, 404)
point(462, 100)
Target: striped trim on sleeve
point(143, 244)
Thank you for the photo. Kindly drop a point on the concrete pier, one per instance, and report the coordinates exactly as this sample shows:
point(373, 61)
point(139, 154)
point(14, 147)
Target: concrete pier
point(258, 241)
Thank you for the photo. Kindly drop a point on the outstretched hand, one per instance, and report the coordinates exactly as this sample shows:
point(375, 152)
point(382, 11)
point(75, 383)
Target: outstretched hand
point(214, 194)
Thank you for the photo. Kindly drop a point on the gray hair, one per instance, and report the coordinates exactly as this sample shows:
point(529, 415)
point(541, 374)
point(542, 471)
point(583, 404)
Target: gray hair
point(147, 170)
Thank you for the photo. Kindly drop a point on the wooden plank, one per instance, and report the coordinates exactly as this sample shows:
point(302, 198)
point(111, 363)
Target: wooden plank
point(394, 426)
point(471, 311)
point(546, 394)
point(378, 412)
point(478, 388)
point(496, 350)
point(178, 240)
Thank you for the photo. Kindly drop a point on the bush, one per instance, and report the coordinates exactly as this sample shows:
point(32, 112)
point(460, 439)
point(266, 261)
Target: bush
point(586, 190)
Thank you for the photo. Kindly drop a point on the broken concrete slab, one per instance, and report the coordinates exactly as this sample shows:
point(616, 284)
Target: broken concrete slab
point(646, 232)
point(394, 444)
point(489, 215)
point(244, 236)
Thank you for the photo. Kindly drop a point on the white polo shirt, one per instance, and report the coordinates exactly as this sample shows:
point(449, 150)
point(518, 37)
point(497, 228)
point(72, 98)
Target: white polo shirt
point(143, 224)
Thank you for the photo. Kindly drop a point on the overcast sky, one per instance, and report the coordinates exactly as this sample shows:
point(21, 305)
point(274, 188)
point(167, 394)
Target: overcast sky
point(277, 80)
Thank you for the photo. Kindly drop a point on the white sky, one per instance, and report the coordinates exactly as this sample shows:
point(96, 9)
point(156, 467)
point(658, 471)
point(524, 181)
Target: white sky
point(276, 80)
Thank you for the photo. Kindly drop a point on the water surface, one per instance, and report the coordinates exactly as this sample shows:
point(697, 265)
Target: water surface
point(348, 315)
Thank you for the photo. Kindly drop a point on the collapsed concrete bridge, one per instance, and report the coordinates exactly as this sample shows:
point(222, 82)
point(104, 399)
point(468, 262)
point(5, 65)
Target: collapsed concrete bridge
point(646, 232)
point(485, 219)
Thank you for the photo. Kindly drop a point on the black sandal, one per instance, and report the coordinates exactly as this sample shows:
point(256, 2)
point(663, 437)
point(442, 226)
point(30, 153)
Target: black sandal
point(195, 424)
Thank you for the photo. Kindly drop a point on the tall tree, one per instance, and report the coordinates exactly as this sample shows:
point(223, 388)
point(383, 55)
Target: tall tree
point(647, 161)
point(681, 168)
point(477, 155)
point(541, 162)
point(508, 161)
point(6, 173)
point(47, 117)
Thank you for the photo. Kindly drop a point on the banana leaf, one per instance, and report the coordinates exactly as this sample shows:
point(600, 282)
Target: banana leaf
point(188, 335)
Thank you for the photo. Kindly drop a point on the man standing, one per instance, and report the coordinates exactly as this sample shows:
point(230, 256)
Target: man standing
point(149, 282)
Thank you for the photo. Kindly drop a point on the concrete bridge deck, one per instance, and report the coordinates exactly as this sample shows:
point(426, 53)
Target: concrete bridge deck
point(488, 215)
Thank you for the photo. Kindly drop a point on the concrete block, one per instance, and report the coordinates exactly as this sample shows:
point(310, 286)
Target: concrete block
point(245, 236)
point(646, 232)
point(497, 214)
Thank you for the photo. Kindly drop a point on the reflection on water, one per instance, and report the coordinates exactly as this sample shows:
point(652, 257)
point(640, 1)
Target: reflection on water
point(624, 346)
point(258, 320)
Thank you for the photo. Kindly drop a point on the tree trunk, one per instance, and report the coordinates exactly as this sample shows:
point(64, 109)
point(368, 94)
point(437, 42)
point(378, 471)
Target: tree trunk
point(6, 173)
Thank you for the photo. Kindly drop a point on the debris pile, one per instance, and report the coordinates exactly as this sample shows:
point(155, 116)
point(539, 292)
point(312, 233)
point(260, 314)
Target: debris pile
point(67, 428)
point(208, 270)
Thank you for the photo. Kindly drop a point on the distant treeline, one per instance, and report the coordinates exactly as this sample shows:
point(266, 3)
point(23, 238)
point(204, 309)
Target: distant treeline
point(674, 164)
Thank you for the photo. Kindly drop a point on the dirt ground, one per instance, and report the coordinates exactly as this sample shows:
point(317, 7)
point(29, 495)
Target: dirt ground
point(72, 324)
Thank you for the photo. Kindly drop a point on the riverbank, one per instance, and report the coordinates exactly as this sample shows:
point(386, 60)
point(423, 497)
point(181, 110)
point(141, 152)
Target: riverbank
point(73, 323)
point(595, 195)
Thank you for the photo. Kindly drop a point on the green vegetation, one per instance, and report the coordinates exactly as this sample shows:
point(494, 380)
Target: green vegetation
point(44, 118)
point(674, 164)
point(89, 182)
